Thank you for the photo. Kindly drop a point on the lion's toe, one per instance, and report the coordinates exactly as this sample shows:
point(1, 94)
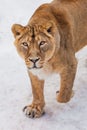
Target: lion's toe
point(33, 111)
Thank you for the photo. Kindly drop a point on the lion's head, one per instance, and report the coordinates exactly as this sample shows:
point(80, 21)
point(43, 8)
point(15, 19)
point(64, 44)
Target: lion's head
point(36, 43)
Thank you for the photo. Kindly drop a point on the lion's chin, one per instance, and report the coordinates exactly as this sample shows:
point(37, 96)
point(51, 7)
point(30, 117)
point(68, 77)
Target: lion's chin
point(39, 72)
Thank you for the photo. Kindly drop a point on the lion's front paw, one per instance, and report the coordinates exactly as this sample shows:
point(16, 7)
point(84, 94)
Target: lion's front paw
point(64, 97)
point(33, 111)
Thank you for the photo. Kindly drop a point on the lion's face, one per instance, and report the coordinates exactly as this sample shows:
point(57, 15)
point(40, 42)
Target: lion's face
point(36, 44)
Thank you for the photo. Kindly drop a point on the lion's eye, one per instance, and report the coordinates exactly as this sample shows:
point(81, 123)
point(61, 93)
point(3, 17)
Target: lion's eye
point(42, 43)
point(24, 44)
point(49, 30)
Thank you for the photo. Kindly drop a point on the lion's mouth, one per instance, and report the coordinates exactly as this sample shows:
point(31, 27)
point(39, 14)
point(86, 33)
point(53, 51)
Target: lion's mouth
point(35, 67)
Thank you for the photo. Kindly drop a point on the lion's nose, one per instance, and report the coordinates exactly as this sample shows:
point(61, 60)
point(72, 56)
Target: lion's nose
point(34, 60)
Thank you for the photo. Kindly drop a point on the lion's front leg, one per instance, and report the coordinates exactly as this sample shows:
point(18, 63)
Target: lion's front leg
point(35, 109)
point(67, 80)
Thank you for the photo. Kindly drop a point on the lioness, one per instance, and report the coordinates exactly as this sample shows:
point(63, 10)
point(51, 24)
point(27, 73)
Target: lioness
point(48, 44)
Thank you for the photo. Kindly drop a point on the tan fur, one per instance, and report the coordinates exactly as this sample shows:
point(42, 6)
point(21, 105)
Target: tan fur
point(55, 32)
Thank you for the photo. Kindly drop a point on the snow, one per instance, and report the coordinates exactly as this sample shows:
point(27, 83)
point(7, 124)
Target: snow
point(15, 87)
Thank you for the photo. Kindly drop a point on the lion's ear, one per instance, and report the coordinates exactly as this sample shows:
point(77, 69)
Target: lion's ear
point(17, 30)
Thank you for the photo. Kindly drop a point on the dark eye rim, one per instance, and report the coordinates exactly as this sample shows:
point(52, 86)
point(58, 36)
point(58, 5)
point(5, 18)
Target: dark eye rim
point(25, 44)
point(42, 43)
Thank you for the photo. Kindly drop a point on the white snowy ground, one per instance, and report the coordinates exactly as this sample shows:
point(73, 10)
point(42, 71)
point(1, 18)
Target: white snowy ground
point(15, 88)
